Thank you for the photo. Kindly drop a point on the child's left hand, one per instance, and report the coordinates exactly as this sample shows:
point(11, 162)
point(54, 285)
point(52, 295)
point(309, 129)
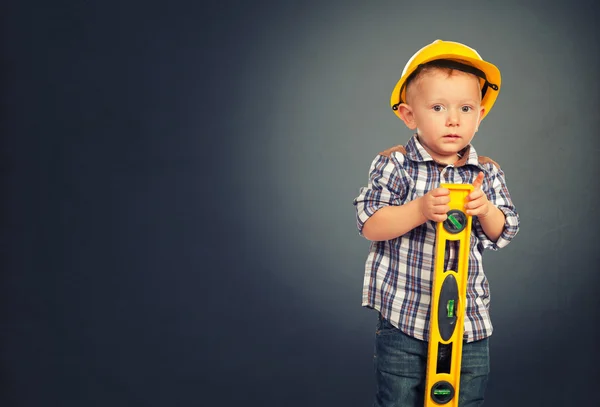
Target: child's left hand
point(478, 204)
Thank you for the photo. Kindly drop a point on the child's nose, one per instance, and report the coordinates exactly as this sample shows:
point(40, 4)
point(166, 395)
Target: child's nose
point(452, 119)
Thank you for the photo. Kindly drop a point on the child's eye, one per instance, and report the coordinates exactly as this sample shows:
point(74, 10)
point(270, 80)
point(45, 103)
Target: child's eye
point(437, 108)
point(466, 109)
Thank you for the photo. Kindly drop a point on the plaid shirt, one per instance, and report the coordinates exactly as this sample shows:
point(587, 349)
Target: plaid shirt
point(398, 272)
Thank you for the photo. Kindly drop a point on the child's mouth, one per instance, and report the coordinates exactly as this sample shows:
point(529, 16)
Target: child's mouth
point(452, 136)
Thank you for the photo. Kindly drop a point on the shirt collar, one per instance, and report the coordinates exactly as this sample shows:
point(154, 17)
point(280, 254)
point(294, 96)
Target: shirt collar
point(416, 152)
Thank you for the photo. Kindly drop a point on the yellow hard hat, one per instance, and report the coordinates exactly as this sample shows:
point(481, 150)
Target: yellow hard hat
point(456, 56)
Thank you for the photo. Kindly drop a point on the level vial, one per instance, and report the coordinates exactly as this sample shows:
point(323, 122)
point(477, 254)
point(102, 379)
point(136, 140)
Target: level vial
point(454, 221)
point(450, 308)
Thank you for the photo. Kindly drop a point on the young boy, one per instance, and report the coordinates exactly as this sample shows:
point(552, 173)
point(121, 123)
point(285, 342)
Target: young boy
point(445, 90)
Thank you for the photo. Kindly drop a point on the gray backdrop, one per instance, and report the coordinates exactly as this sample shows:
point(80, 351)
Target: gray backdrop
point(178, 227)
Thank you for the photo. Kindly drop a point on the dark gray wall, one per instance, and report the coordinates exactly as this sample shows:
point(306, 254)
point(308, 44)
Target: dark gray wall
point(177, 220)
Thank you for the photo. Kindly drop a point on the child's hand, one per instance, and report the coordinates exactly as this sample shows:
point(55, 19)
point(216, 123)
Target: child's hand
point(434, 204)
point(478, 204)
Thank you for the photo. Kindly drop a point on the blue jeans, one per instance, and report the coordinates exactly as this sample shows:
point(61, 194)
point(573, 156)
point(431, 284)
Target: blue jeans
point(400, 365)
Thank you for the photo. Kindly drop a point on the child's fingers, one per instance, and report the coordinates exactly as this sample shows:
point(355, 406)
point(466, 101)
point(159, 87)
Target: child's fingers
point(441, 209)
point(441, 200)
point(478, 181)
point(476, 194)
point(475, 202)
point(474, 206)
point(440, 192)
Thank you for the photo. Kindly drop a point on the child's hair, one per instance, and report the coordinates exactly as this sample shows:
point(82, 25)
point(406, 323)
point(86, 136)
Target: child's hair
point(436, 65)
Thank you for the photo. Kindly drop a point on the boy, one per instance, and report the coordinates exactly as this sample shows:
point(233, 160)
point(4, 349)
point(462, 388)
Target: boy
point(445, 90)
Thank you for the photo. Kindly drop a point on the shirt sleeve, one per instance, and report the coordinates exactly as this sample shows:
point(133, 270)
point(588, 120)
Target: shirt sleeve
point(384, 188)
point(497, 193)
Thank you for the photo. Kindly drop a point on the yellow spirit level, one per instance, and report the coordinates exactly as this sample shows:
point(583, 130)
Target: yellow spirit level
point(448, 304)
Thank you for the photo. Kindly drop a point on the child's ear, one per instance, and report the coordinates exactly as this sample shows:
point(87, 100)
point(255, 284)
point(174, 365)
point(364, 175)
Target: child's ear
point(481, 112)
point(406, 114)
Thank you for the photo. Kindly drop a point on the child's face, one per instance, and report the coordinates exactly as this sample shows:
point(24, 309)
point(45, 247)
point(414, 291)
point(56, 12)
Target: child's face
point(445, 110)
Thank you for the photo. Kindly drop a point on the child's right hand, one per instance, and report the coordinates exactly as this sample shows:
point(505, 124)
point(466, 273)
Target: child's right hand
point(434, 204)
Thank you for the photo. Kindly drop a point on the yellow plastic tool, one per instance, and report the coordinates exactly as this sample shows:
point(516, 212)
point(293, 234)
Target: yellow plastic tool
point(448, 304)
